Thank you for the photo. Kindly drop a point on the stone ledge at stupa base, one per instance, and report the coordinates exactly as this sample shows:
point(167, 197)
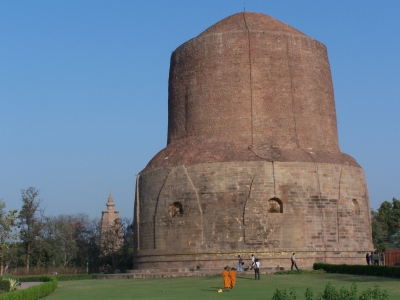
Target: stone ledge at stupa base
point(178, 272)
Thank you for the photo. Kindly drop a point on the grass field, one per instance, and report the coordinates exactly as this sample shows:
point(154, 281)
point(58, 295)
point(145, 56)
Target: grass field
point(193, 288)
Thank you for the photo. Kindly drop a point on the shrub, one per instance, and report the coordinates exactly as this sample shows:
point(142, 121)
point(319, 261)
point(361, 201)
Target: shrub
point(282, 295)
point(330, 293)
point(34, 292)
point(6, 276)
point(309, 294)
point(373, 270)
point(375, 294)
point(5, 285)
point(320, 271)
point(75, 277)
point(14, 283)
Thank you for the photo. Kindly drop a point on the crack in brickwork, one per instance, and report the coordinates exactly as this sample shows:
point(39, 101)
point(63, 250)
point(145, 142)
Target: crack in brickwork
point(320, 203)
point(155, 210)
point(273, 175)
point(248, 196)
point(244, 208)
point(251, 86)
point(198, 202)
point(340, 178)
point(292, 91)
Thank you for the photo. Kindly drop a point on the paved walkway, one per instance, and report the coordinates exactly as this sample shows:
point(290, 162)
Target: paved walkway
point(25, 285)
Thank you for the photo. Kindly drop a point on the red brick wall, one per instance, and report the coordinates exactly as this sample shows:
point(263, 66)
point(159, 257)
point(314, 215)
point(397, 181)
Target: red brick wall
point(253, 84)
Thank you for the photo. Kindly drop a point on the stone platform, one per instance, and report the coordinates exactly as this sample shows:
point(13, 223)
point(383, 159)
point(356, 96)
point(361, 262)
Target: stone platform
point(177, 272)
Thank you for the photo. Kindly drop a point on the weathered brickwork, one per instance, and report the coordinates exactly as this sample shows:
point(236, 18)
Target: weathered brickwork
point(253, 163)
point(225, 210)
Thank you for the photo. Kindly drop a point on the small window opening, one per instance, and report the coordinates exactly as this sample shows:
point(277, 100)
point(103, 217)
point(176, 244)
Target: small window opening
point(176, 210)
point(355, 207)
point(275, 206)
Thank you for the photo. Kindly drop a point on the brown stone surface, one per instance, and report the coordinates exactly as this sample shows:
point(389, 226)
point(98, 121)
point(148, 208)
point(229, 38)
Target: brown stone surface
point(255, 83)
point(226, 211)
point(109, 220)
point(252, 163)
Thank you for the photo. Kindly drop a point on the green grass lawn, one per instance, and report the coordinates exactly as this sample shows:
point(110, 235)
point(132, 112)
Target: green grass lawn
point(193, 288)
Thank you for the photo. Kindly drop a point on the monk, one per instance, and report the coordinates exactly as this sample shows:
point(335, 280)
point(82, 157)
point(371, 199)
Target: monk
point(232, 276)
point(227, 279)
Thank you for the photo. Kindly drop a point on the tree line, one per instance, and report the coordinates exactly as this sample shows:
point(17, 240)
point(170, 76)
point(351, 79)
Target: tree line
point(29, 238)
point(386, 225)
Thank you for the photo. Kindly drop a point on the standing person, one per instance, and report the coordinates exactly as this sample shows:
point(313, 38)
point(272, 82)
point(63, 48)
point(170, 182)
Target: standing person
point(227, 279)
point(382, 257)
point(293, 260)
point(375, 257)
point(256, 269)
point(240, 268)
point(232, 276)
point(252, 262)
point(370, 258)
point(367, 258)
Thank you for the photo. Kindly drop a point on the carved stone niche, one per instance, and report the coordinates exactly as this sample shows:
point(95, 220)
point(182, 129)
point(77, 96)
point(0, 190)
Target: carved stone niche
point(355, 207)
point(176, 210)
point(275, 206)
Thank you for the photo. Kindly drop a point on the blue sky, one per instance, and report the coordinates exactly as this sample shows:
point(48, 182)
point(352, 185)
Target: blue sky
point(84, 90)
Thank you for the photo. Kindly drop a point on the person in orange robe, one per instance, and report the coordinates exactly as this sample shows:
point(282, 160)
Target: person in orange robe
point(227, 279)
point(232, 276)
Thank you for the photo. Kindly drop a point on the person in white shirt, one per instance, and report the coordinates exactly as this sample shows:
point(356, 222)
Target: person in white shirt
point(257, 269)
point(293, 259)
point(252, 262)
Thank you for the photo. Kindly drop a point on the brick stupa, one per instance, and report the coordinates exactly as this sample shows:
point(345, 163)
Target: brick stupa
point(252, 163)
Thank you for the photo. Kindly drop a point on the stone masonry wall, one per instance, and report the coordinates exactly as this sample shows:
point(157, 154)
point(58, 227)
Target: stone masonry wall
point(206, 214)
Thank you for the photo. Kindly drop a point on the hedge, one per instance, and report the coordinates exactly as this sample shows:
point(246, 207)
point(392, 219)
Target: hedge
point(48, 286)
point(5, 285)
point(289, 272)
point(372, 270)
point(74, 277)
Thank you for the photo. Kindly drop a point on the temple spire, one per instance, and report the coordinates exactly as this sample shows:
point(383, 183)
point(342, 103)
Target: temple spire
point(110, 203)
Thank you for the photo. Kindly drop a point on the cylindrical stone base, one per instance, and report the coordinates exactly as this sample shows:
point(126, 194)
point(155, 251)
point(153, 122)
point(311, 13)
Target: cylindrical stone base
point(204, 215)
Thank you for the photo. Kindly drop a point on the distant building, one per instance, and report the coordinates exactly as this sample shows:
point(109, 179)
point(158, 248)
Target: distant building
point(110, 233)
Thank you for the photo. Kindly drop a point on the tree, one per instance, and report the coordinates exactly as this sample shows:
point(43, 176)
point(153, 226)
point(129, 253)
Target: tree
point(31, 221)
point(127, 247)
point(117, 244)
point(7, 236)
point(88, 243)
point(386, 225)
point(111, 242)
point(380, 236)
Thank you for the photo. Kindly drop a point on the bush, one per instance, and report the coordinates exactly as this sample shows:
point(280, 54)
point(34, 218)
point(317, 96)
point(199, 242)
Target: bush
point(282, 295)
point(373, 270)
point(7, 276)
point(375, 294)
point(320, 271)
point(5, 285)
point(330, 293)
point(34, 279)
point(74, 277)
point(309, 294)
point(14, 283)
point(34, 292)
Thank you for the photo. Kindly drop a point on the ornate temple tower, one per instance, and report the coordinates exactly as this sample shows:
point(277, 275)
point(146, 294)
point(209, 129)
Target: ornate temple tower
point(252, 163)
point(110, 236)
